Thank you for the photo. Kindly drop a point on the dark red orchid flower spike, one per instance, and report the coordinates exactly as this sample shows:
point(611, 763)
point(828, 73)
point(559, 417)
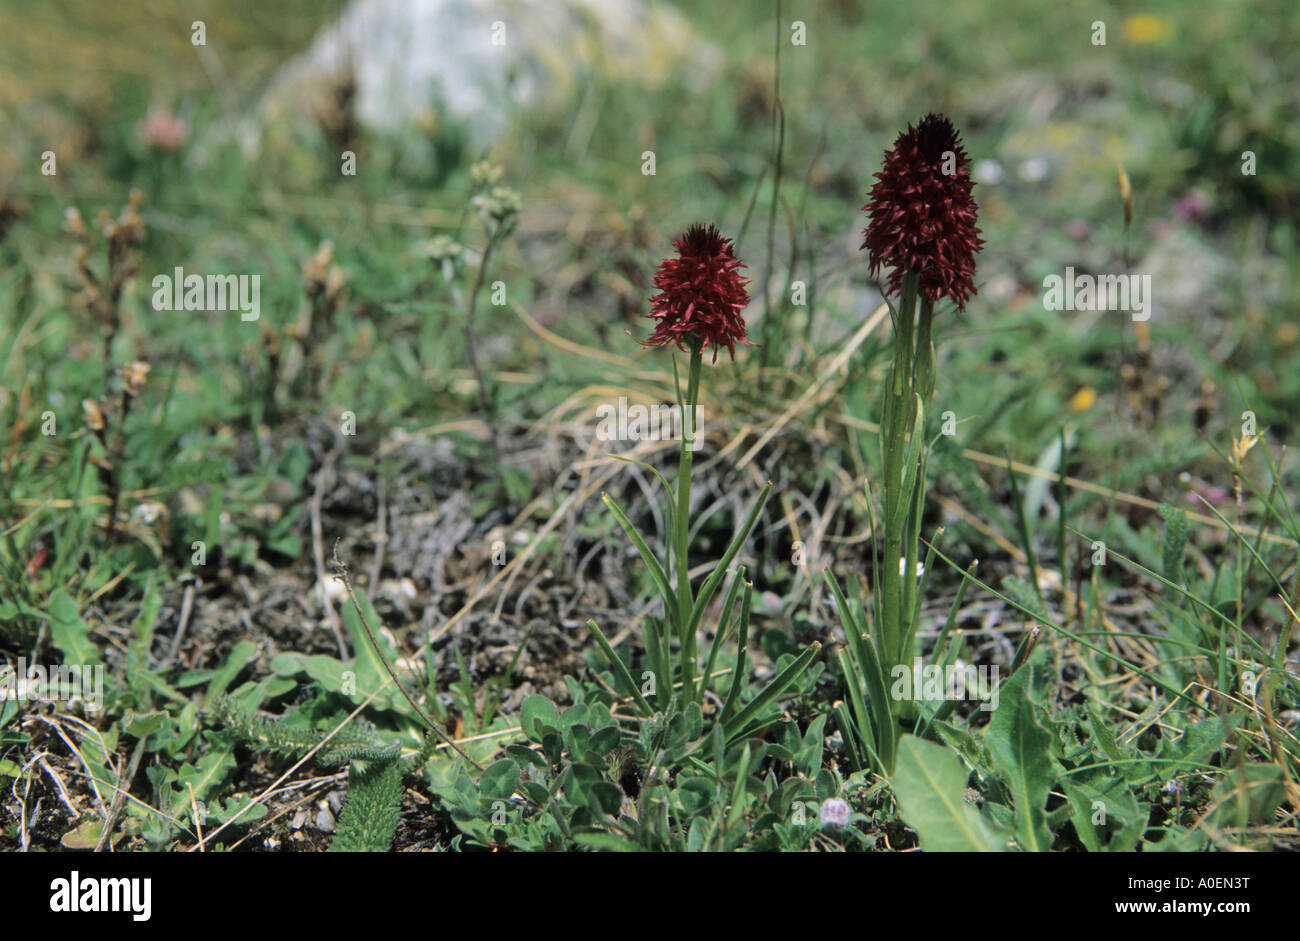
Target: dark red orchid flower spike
point(701, 294)
point(923, 218)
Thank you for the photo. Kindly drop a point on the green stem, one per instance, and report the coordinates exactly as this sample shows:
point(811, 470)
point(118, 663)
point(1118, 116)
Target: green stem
point(484, 398)
point(898, 408)
point(923, 385)
point(925, 367)
point(682, 523)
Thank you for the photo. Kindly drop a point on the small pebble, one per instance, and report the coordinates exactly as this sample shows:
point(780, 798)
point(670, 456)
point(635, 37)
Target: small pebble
point(324, 819)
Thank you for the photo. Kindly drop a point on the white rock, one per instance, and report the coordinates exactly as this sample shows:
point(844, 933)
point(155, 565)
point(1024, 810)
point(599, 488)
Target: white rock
point(333, 588)
point(475, 60)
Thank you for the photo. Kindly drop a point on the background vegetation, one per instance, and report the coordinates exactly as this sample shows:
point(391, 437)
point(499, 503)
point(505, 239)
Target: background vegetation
point(1142, 701)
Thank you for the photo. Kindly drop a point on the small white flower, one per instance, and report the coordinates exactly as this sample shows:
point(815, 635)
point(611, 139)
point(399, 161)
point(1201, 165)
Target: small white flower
point(902, 567)
point(835, 813)
point(987, 171)
point(1033, 170)
point(148, 512)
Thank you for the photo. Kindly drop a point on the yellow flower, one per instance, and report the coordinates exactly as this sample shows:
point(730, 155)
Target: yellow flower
point(1083, 400)
point(1147, 28)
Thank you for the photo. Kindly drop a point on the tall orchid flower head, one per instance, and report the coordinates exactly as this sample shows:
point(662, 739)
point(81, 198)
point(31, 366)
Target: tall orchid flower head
point(701, 294)
point(923, 214)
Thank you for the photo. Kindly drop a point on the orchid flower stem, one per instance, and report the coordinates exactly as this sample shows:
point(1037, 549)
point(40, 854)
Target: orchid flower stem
point(900, 414)
point(682, 524)
point(923, 387)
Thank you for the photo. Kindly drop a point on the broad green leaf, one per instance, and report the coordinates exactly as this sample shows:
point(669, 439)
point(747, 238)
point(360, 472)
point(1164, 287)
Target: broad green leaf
point(220, 811)
point(143, 725)
point(523, 755)
point(326, 671)
point(606, 842)
point(1199, 740)
point(69, 632)
point(1194, 748)
point(1021, 754)
point(211, 769)
point(1103, 804)
point(695, 837)
point(1103, 735)
point(537, 715)
point(499, 780)
point(333, 676)
point(574, 715)
point(1247, 796)
point(965, 744)
point(930, 784)
point(579, 781)
point(809, 758)
point(85, 836)
point(605, 797)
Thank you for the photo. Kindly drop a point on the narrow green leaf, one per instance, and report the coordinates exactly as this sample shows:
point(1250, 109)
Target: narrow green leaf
point(742, 653)
point(724, 624)
point(864, 725)
point(225, 674)
point(620, 668)
point(656, 569)
point(775, 688)
point(720, 570)
point(911, 468)
point(1026, 537)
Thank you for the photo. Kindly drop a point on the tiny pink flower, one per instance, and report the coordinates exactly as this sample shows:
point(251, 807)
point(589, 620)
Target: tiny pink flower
point(1212, 494)
point(163, 130)
point(1194, 206)
point(1078, 230)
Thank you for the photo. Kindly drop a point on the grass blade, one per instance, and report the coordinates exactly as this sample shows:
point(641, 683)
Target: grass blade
point(620, 668)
